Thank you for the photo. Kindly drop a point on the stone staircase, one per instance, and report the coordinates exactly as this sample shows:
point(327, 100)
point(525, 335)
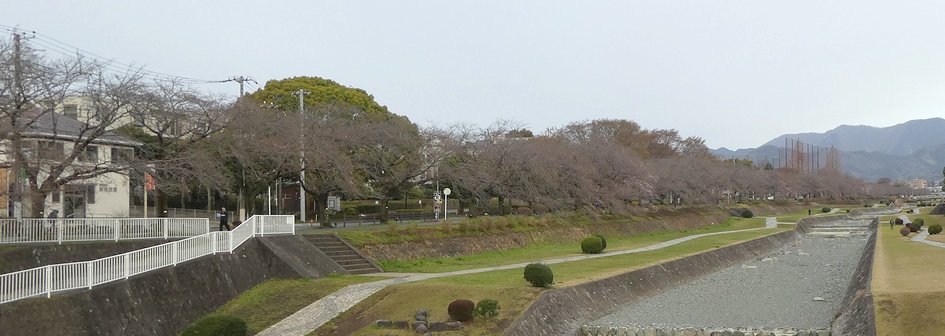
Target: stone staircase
point(343, 253)
point(841, 228)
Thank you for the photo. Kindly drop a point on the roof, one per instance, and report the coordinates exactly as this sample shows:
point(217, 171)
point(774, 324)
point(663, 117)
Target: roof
point(50, 125)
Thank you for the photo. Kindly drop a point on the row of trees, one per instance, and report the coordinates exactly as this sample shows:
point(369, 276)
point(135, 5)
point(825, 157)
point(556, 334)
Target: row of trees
point(338, 140)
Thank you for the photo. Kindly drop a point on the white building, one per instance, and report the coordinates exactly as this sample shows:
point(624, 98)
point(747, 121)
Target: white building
point(49, 140)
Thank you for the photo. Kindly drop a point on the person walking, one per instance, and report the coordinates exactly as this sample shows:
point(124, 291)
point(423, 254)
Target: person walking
point(224, 219)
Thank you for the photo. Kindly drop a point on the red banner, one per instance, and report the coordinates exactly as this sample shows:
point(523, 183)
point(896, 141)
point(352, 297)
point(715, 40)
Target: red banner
point(148, 181)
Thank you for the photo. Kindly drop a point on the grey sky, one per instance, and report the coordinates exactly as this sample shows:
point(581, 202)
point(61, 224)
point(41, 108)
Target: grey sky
point(736, 73)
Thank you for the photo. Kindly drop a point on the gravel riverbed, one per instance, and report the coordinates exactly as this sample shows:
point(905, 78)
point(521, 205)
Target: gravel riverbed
point(799, 286)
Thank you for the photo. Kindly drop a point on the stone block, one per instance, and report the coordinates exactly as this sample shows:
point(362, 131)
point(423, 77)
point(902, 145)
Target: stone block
point(416, 324)
point(384, 324)
point(421, 329)
point(421, 315)
point(455, 325)
point(401, 325)
point(823, 333)
point(437, 326)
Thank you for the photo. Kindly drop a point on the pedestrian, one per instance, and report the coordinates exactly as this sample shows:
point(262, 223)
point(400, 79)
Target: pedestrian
point(224, 219)
point(809, 212)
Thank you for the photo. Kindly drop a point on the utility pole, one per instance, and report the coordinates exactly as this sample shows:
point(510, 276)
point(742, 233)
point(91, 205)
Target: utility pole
point(19, 100)
point(241, 200)
point(301, 93)
point(241, 80)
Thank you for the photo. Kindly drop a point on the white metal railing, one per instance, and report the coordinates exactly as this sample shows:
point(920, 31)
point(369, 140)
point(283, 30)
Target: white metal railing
point(59, 230)
point(48, 279)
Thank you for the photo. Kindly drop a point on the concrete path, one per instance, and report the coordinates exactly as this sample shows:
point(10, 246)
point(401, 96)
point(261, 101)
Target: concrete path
point(320, 312)
point(921, 235)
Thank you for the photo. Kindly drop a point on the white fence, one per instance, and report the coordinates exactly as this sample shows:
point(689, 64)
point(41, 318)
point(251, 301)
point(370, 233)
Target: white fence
point(46, 280)
point(58, 230)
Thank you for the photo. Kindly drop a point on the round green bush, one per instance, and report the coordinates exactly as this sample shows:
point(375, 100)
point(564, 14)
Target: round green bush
point(539, 275)
point(603, 241)
point(825, 209)
point(592, 244)
point(747, 214)
point(905, 231)
point(216, 325)
point(918, 222)
point(935, 228)
point(461, 310)
point(487, 308)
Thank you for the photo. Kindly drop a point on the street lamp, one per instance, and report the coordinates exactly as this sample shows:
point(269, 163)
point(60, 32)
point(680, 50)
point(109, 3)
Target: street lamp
point(446, 198)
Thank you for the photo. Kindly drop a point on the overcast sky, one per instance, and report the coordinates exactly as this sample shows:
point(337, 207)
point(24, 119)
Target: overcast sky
point(735, 73)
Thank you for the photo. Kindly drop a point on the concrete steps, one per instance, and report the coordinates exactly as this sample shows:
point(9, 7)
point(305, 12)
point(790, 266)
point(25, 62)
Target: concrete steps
point(343, 254)
point(842, 228)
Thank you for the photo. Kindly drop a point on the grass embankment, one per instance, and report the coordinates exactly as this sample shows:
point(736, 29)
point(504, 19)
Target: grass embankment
point(400, 302)
point(908, 291)
point(273, 300)
point(552, 250)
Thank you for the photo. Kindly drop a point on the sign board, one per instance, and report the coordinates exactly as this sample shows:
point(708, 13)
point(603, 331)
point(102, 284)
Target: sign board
point(334, 203)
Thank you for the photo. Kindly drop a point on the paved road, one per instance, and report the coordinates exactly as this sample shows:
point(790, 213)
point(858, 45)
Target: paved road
point(318, 313)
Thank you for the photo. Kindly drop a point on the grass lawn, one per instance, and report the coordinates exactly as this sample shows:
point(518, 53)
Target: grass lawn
point(549, 251)
point(399, 302)
point(908, 291)
point(273, 300)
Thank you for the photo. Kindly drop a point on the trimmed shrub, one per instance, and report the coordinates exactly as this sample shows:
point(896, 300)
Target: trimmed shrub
point(825, 209)
point(487, 308)
point(524, 211)
point(747, 214)
point(216, 325)
point(539, 275)
point(912, 227)
point(905, 231)
point(592, 244)
point(935, 228)
point(461, 310)
point(603, 241)
point(898, 221)
point(918, 222)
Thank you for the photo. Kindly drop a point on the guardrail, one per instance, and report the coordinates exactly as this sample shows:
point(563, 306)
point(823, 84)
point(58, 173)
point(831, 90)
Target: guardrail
point(48, 279)
point(59, 230)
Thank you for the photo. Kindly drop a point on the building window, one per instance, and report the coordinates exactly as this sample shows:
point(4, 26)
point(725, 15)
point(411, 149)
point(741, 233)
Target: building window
point(55, 196)
point(89, 154)
point(90, 194)
point(122, 155)
point(71, 111)
point(50, 149)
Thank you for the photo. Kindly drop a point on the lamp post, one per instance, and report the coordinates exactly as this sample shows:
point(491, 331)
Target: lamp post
point(446, 198)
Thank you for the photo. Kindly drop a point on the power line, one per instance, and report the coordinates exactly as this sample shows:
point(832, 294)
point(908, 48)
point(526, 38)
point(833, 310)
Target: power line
point(68, 50)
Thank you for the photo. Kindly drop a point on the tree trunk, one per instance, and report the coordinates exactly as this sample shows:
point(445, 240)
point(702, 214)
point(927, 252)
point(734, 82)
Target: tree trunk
point(383, 210)
point(501, 205)
point(321, 202)
point(37, 204)
point(160, 203)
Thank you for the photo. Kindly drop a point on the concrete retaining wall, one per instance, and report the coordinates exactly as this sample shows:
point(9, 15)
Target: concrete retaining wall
point(161, 302)
point(562, 311)
point(855, 316)
point(25, 257)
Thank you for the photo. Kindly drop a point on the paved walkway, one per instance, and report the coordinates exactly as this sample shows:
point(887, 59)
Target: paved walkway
point(318, 313)
point(921, 235)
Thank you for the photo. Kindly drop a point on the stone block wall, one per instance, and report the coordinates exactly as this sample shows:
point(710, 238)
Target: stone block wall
point(562, 311)
point(855, 316)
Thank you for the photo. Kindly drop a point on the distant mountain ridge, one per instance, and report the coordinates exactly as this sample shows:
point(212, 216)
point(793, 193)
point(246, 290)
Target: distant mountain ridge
point(906, 151)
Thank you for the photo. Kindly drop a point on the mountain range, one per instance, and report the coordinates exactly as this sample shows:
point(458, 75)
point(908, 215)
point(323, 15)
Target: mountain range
point(911, 150)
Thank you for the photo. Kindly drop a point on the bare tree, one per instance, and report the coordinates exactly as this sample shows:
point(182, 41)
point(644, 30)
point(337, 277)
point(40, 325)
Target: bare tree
point(43, 149)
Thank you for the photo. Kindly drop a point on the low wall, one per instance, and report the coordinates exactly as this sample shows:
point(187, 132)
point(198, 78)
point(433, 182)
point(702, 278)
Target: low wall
point(162, 302)
point(855, 316)
point(562, 311)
